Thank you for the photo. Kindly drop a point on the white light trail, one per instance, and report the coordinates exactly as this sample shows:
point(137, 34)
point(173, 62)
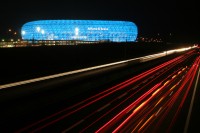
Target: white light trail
point(140, 59)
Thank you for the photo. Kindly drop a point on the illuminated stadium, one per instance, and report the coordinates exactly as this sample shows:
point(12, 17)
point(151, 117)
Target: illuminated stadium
point(81, 30)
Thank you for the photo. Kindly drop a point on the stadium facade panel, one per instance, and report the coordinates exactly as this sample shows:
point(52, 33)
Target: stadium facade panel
point(83, 30)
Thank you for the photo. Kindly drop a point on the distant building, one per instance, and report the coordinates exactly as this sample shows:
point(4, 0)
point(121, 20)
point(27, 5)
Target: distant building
point(80, 30)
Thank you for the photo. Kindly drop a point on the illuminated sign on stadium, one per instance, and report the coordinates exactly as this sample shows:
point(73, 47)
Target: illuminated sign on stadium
point(99, 28)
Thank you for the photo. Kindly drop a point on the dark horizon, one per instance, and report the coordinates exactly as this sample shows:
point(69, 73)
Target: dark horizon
point(180, 19)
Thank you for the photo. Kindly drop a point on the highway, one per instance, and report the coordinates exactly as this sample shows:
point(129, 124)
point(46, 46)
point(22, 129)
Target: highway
point(148, 101)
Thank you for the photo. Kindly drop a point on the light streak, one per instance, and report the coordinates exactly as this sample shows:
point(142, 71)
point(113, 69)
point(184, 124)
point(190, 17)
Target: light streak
point(142, 59)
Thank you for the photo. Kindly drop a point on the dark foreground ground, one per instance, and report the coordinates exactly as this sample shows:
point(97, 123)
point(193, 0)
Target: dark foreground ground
point(30, 62)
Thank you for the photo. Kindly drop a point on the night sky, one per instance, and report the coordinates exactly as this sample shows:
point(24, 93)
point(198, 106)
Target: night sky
point(180, 18)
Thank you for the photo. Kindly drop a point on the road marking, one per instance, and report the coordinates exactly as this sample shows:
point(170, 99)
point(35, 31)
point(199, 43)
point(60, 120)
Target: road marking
point(122, 95)
point(103, 107)
point(171, 93)
point(191, 104)
point(152, 77)
point(144, 81)
point(158, 111)
point(135, 87)
point(72, 126)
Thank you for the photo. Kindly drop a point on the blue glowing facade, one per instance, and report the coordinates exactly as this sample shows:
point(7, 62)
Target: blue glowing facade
point(84, 30)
